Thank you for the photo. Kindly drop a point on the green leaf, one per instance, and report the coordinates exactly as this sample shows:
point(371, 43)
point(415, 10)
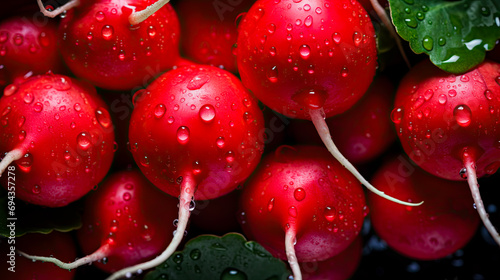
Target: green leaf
point(230, 257)
point(455, 34)
point(29, 218)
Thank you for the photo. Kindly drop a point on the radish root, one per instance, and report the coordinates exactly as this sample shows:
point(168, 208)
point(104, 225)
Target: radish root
point(140, 16)
point(290, 254)
point(187, 193)
point(10, 157)
point(323, 131)
point(59, 10)
point(387, 22)
point(476, 195)
point(100, 254)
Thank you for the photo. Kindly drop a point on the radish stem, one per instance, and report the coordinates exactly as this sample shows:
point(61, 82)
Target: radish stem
point(476, 195)
point(187, 192)
point(59, 10)
point(100, 254)
point(290, 254)
point(10, 157)
point(140, 16)
point(323, 131)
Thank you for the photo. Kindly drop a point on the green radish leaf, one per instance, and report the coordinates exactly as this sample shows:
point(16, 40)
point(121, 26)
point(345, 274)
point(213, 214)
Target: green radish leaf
point(228, 257)
point(25, 218)
point(455, 34)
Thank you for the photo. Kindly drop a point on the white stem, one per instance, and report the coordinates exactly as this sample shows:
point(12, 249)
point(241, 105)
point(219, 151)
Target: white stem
point(59, 10)
point(387, 22)
point(187, 192)
point(100, 254)
point(476, 195)
point(323, 131)
point(140, 16)
point(290, 254)
point(9, 158)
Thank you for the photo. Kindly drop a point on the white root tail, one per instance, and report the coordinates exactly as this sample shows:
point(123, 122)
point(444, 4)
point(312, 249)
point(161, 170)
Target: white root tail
point(100, 254)
point(290, 254)
point(59, 10)
point(10, 157)
point(187, 192)
point(476, 195)
point(140, 16)
point(323, 131)
point(387, 22)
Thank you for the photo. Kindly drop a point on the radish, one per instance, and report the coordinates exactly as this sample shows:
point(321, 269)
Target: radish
point(309, 61)
point(367, 129)
point(436, 229)
point(59, 134)
point(194, 131)
point(302, 205)
point(126, 221)
point(58, 244)
point(448, 124)
point(114, 46)
point(27, 48)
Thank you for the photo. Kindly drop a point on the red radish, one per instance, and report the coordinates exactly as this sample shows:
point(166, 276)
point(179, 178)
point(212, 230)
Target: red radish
point(339, 267)
point(59, 133)
point(104, 42)
point(27, 47)
point(194, 132)
point(302, 205)
point(366, 129)
point(58, 244)
point(436, 229)
point(309, 61)
point(125, 222)
point(448, 124)
point(209, 30)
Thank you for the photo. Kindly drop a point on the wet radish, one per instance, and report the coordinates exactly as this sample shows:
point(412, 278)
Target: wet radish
point(302, 205)
point(59, 135)
point(106, 42)
point(449, 124)
point(309, 61)
point(126, 221)
point(445, 223)
point(194, 132)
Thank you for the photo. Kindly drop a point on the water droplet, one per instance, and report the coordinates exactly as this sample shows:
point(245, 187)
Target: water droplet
point(121, 55)
point(107, 32)
point(357, 38)
point(77, 107)
point(299, 194)
point(411, 22)
point(198, 81)
point(22, 135)
point(183, 134)
point(4, 36)
point(127, 196)
point(271, 27)
point(463, 173)
point(270, 205)
point(397, 115)
point(144, 161)
point(229, 156)
point(336, 38)
point(103, 117)
point(38, 107)
point(292, 211)
point(272, 74)
point(18, 39)
point(463, 115)
point(441, 41)
point(159, 111)
point(452, 93)
point(21, 121)
point(307, 7)
point(308, 21)
point(428, 43)
point(83, 141)
point(304, 51)
point(464, 78)
point(488, 94)
point(10, 90)
point(442, 99)
point(329, 213)
point(318, 10)
point(195, 254)
point(492, 168)
point(26, 162)
point(151, 31)
point(207, 113)
point(233, 274)
point(485, 11)
point(36, 189)
point(99, 16)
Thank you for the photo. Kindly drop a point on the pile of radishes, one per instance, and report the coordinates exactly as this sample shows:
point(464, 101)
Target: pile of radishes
point(164, 122)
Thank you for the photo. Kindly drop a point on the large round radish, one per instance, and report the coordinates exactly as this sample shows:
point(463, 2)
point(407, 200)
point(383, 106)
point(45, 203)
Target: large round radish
point(101, 41)
point(302, 205)
point(194, 132)
point(443, 224)
point(126, 221)
point(309, 60)
point(449, 124)
point(60, 135)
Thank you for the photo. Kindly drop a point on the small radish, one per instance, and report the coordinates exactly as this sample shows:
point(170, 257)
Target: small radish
point(445, 223)
point(365, 130)
point(449, 124)
point(302, 205)
point(110, 43)
point(58, 244)
point(27, 48)
point(209, 30)
point(309, 61)
point(126, 221)
point(194, 132)
point(59, 134)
